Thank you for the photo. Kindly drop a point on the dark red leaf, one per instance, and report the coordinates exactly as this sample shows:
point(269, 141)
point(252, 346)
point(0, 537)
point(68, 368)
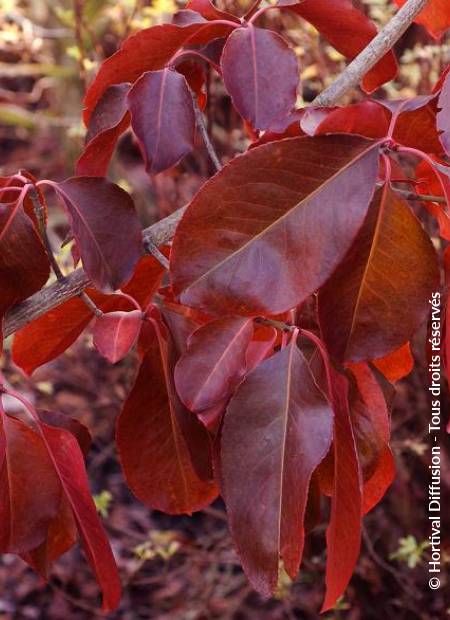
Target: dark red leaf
point(116, 332)
point(214, 362)
point(209, 11)
point(30, 492)
point(349, 31)
point(369, 297)
point(68, 462)
point(277, 429)
point(162, 117)
point(106, 228)
point(24, 266)
point(266, 231)
point(148, 50)
point(377, 485)
point(261, 74)
point(152, 446)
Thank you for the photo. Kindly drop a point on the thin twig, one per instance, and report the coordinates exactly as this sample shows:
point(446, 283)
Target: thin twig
point(204, 133)
point(420, 197)
point(152, 249)
point(371, 54)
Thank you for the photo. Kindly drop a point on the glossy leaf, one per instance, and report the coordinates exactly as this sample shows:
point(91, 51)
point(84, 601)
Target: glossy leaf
point(349, 31)
point(152, 446)
point(148, 50)
point(277, 429)
point(435, 17)
point(106, 228)
point(261, 74)
point(214, 362)
point(162, 117)
point(109, 120)
point(116, 332)
point(266, 231)
point(370, 295)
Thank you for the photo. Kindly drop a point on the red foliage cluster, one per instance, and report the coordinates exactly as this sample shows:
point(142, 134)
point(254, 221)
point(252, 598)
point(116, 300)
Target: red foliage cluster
point(239, 391)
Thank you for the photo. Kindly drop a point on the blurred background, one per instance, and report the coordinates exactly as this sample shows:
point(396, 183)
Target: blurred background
point(185, 568)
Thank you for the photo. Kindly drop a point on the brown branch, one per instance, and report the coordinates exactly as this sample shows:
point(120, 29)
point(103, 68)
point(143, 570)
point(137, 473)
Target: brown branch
point(201, 125)
point(163, 231)
point(370, 55)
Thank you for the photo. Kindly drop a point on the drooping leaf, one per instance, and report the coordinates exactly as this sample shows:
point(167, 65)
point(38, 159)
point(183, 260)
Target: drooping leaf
point(109, 120)
point(162, 117)
point(68, 462)
point(267, 231)
point(277, 429)
point(370, 297)
point(29, 489)
point(106, 228)
point(349, 31)
point(261, 74)
point(214, 362)
point(435, 17)
point(116, 332)
point(152, 447)
point(344, 530)
point(148, 50)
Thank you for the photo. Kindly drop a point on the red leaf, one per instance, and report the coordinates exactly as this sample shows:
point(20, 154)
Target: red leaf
point(61, 535)
point(249, 242)
point(443, 117)
point(435, 17)
point(261, 74)
point(152, 446)
point(277, 429)
point(116, 332)
point(214, 362)
point(349, 31)
point(109, 120)
point(148, 50)
point(106, 229)
point(68, 462)
point(382, 478)
point(30, 493)
point(396, 365)
point(209, 11)
point(24, 266)
point(373, 303)
point(344, 530)
point(162, 117)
